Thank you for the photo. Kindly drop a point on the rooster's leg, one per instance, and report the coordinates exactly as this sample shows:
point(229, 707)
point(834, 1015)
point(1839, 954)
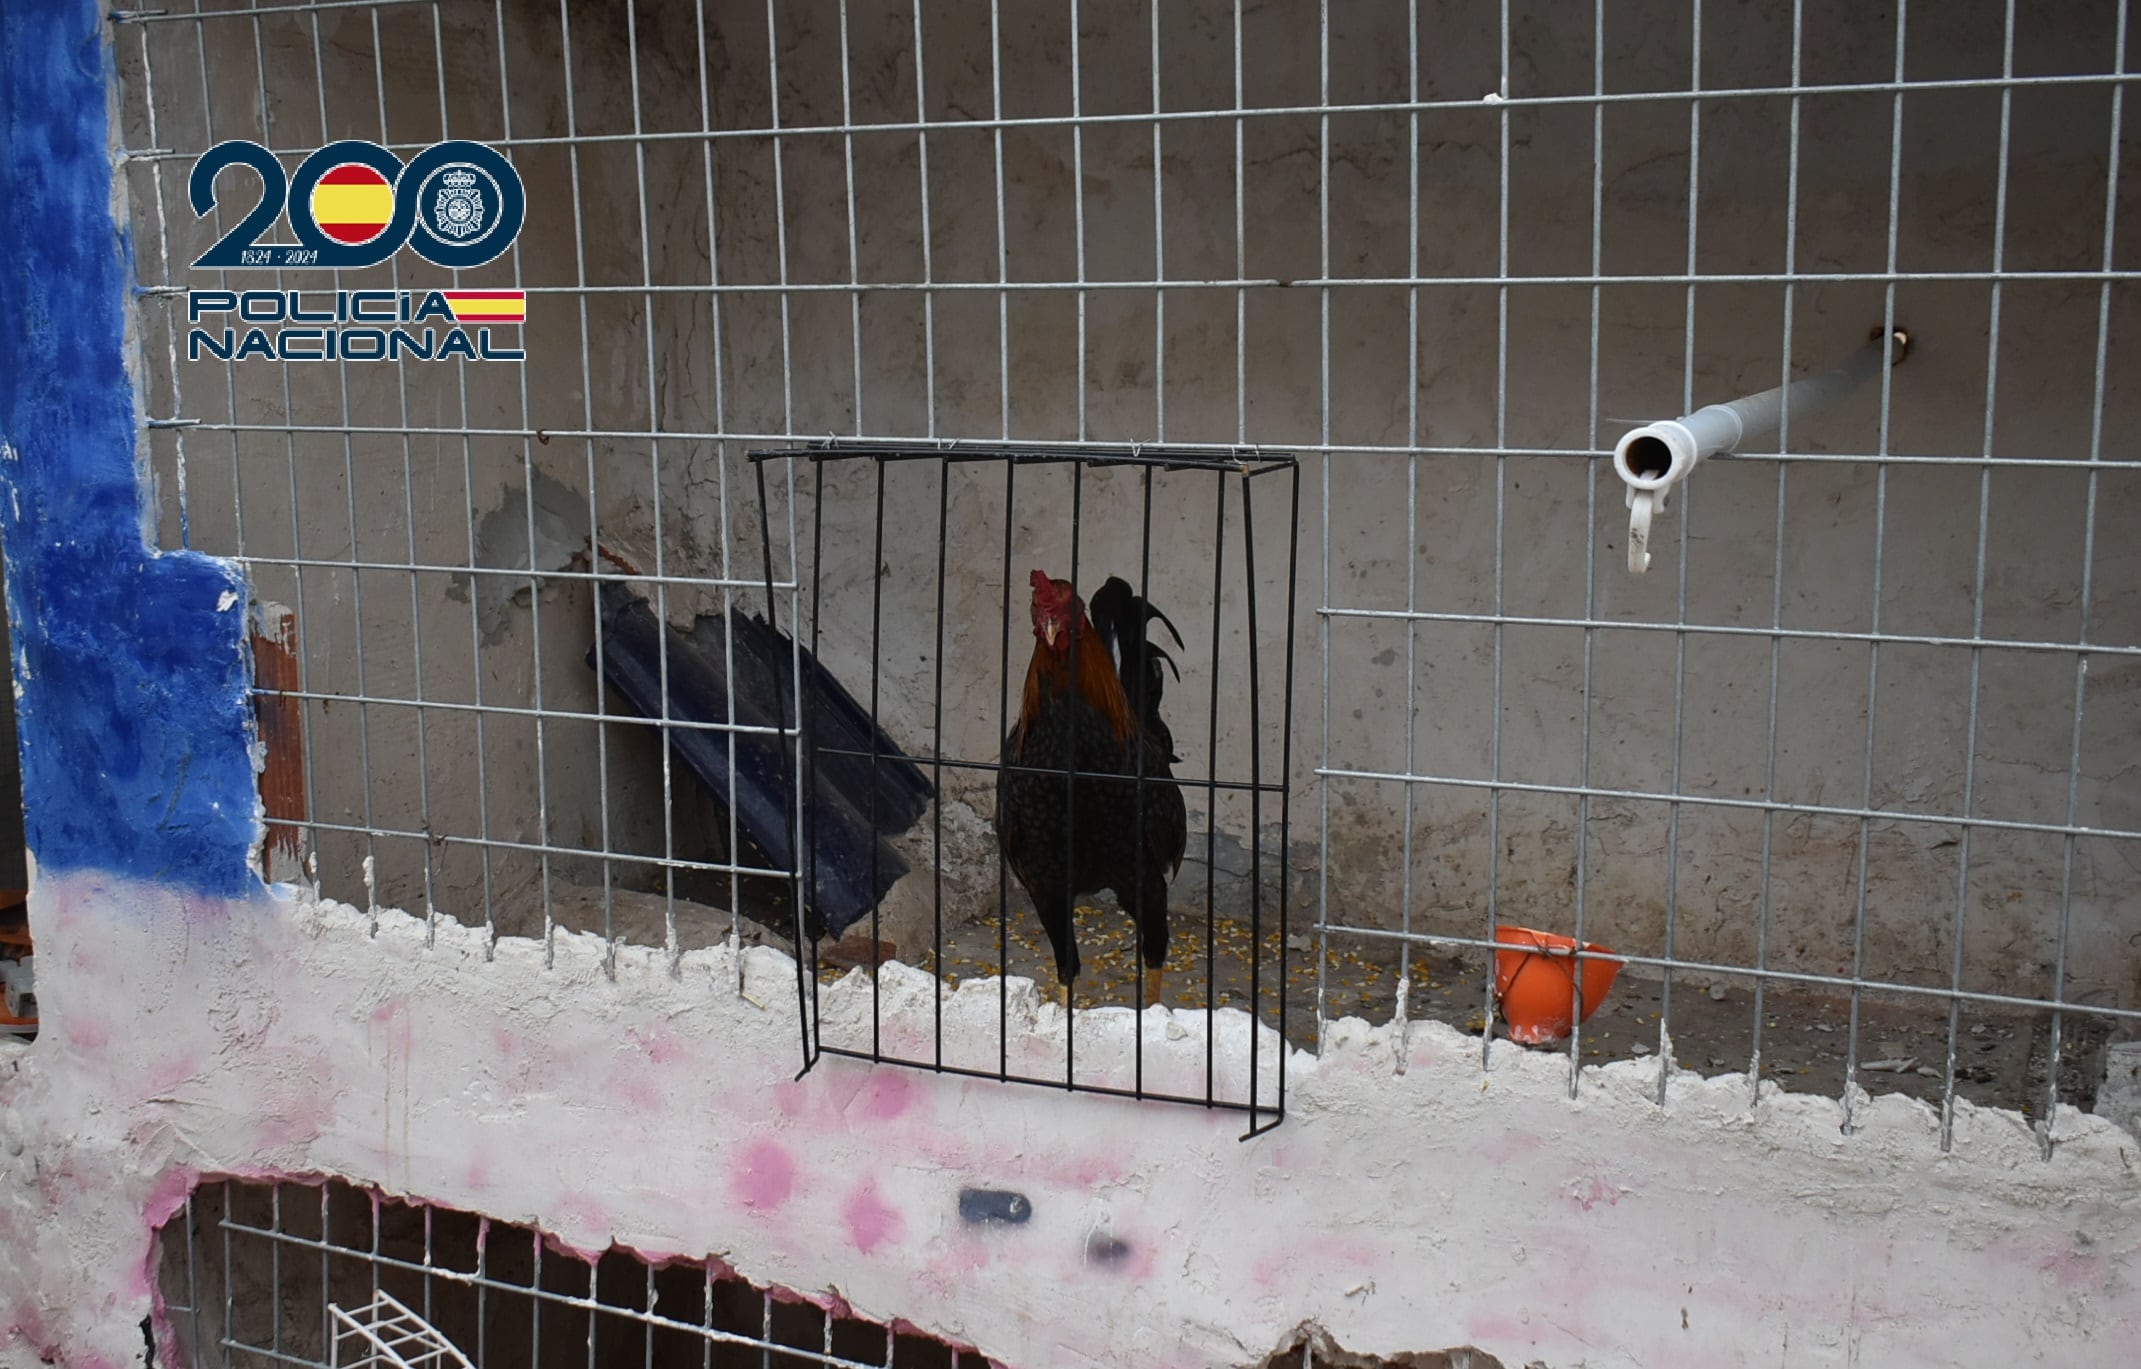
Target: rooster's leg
point(1055, 917)
point(1154, 977)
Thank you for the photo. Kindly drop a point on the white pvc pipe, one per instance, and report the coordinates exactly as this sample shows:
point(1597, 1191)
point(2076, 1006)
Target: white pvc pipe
point(1652, 459)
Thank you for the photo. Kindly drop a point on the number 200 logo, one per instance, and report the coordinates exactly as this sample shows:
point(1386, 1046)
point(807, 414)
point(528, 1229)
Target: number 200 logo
point(354, 204)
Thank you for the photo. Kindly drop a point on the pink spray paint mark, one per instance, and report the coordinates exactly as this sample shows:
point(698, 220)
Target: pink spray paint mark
point(581, 1210)
point(1271, 1269)
point(168, 1195)
point(384, 1014)
point(885, 1095)
point(962, 1257)
point(1494, 1330)
point(790, 1097)
point(1588, 1191)
point(166, 1075)
point(1095, 1170)
point(765, 1178)
point(658, 1045)
point(1284, 1265)
point(947, 1150)
point(90, 1033)
point(1511, 1145)
point(631, 1087)
point(392, 1016)
point(2071, 1270)
point(298, 1123)
point(871, 1221)
point(1143, 1259)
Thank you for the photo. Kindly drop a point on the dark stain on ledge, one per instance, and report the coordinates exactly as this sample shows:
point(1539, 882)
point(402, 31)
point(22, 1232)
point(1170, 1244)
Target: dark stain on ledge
point(980, 1206)
point(1106, 1249)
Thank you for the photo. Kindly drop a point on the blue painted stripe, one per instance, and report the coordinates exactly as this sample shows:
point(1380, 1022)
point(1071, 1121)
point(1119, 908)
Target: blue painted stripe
point(130, 664)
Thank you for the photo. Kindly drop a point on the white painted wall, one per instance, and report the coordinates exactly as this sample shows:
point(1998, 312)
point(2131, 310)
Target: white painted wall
point(1420, 1210)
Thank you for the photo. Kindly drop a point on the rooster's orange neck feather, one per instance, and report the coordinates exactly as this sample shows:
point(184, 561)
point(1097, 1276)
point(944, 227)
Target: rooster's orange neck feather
point(1048, 677)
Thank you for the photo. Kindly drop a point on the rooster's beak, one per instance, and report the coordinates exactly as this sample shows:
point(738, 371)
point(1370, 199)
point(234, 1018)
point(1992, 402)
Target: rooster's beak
point(1050, 630)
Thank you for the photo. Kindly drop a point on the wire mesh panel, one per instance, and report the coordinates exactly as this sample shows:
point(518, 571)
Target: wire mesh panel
point(1840, 785)
point(1829, 781)
point(1100, 734)
point(384, 1333)
point(411, 518)
point(260, 1274)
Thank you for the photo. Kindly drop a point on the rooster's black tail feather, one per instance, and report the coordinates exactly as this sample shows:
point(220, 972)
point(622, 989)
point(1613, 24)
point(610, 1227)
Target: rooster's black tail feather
point(1123, 617)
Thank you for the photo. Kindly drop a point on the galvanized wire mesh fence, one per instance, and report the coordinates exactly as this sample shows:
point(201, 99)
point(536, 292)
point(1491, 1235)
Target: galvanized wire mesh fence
point(1845, 781)
point(1861, 940)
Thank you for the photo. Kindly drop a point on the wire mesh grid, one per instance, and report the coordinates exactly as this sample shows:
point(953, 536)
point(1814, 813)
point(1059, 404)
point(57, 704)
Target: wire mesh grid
point(1842, 781)
point(1955, 824)
point(252, 1274)
point(1661, 793)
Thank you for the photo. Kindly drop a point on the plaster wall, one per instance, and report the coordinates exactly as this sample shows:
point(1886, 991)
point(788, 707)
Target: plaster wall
point(1600, 1232)
point(1860, 550)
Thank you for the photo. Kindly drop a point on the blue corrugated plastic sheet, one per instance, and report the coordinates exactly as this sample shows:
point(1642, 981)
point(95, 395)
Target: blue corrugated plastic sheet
point(848, 822)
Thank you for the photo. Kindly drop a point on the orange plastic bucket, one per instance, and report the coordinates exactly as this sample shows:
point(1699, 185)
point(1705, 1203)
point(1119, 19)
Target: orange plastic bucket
point(1534, 985)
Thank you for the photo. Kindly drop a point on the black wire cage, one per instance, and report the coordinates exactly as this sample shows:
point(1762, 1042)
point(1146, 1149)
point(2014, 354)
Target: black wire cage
point(910, 566)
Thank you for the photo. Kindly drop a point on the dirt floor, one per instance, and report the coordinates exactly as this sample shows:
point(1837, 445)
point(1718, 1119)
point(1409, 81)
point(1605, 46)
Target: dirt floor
point(1805, 1036)
point(2000, 1056)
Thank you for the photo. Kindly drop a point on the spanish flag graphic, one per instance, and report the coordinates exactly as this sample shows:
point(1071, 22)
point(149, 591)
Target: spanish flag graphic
point(352, 204)
point(487, 306)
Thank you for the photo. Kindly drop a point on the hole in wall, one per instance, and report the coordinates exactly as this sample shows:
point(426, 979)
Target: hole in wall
point(250, 1270)
point(1312, 1347)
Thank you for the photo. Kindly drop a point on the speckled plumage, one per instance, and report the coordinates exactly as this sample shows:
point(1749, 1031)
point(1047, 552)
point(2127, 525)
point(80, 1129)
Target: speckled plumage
point(1102, 830)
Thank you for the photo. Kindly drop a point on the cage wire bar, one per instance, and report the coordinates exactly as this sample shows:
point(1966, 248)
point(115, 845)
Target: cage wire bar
point(487, 1289)
point(301, 471)
point(1236, 472)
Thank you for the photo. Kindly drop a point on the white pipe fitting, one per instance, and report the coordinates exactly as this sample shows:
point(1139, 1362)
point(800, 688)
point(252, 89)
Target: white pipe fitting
point(1650, 460)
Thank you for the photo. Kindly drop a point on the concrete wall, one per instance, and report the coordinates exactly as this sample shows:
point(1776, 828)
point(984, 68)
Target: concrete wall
point(1225, 365)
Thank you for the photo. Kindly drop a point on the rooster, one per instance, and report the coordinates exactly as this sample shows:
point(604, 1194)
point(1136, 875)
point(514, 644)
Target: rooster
point(1092, 705)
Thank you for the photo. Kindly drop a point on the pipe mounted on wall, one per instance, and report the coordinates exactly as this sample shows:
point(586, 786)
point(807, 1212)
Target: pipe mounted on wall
point(1650, 460)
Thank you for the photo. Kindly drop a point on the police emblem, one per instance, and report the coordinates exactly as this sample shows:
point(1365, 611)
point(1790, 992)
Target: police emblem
point(458, 211)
